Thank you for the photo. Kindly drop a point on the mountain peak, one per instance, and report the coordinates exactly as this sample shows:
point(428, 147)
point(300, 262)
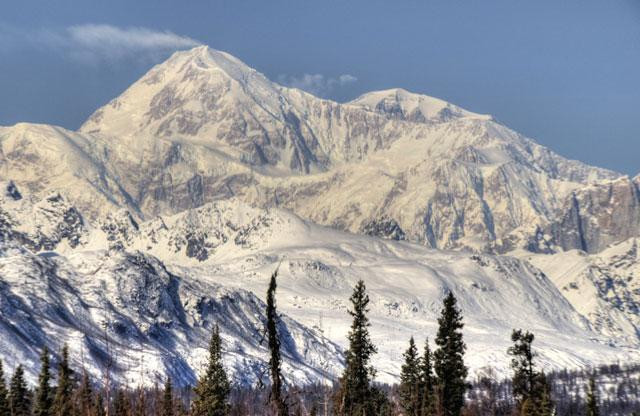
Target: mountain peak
point(206, 58)
point(405, 105)
point(183, 94)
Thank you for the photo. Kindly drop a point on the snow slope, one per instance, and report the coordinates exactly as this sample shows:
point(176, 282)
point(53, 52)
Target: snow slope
point(604, 287)
point(158, 285)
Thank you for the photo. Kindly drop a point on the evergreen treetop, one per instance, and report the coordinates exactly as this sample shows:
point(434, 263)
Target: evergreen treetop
point(167, 398)
point(63, 400)
point(410, 381)
point(449, 358)
point(98, 407)
point(356, 396)
point(427, 383)
point(522, 363)
point(86, 395)
point(44, 392)
point(121, 405)
point(276, 399)
point(530, 387)
point(4, 394)
point(19, 398)
point(212, 390)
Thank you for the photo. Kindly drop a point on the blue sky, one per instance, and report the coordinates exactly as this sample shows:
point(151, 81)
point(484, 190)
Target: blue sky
point(566, 73)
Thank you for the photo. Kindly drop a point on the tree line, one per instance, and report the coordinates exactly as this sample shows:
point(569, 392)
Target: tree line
point(433, 382)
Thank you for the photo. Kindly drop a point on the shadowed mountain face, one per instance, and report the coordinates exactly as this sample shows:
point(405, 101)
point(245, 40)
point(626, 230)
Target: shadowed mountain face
point(203, 126)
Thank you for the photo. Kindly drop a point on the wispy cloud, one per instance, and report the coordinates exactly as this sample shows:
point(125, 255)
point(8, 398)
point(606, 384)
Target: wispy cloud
point(111, 42)
point(317, 84)
point(94, 43)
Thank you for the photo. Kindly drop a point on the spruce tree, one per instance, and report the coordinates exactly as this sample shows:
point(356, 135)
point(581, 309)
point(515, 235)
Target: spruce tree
point(4, 394)
point(44, 392)
point(530, 387)
point(167, 398)
point(85, 395)
point(19, 398)
point(63, 401)
point(592, 398)
point(410, 381)
point(528, 408)
point(427, 393)
point(140, 407)
point(121, 406)
point(98, 406)
point(276, 399)
point(212, 390)
point(356, 396)
point(545, 404)
point(449, 358)
point(524, 373)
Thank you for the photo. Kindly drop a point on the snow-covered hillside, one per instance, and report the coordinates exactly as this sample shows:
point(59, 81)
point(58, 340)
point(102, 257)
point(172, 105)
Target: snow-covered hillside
point(124, 312)
point(159, 285)
point(604, 287)
point(204, 126)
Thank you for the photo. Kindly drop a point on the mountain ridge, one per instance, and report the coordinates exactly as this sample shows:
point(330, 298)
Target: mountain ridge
point(203, 126)
point(147, 281)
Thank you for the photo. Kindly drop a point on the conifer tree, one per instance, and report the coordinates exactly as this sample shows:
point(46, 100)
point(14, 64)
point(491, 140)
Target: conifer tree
point(19, 398)
point(545, 404)
point(98, 406)
point(449, 358)
point(410, 381)
point(63, 401)
point(212, 390)
point(167, 399)
point(44, 393)
point(277, 400)
point(4, 394)
point(530, 387)
point(356, 395)
point(592, 398)
point(141, 403)
point(121, 405)
point(427, 393)
point(528, 408)
point(86, 395)
point(524, 373)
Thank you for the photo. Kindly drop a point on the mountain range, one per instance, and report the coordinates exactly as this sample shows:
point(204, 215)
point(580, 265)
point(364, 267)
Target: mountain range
point(172, 204)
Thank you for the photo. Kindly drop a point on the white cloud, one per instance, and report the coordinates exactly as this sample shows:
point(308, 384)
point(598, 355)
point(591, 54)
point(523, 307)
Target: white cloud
point(316, 84)
point(95, 43)
point(111, 42)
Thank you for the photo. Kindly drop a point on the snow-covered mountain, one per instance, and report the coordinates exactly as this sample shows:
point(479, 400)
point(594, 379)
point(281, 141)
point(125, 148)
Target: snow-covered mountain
point(173, 203)
point(204, 126)
point(148, 293)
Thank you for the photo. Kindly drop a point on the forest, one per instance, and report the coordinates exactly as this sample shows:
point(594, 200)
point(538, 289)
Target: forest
point(434, 381)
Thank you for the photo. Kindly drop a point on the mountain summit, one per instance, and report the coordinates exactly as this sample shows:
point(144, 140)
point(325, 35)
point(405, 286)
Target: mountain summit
point(408, 106)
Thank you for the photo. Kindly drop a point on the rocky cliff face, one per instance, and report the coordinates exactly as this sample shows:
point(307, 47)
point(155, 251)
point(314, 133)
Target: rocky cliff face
point(598, 215)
